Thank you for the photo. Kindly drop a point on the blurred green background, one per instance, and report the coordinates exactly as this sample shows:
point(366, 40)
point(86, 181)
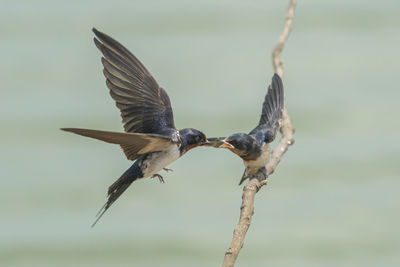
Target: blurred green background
point(334, 199)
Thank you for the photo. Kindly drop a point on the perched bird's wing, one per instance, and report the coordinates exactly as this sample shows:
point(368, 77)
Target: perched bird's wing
point(145, 107)
point(133, 144)
point(215, 141)
point(272, 110)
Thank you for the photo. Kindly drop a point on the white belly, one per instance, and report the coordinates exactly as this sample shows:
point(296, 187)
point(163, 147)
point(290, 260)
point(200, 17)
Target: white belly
point(156, 161)
point(261, 161)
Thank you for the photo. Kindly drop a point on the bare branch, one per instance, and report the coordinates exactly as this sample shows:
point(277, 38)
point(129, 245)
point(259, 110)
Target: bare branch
point(256, 181)
point(246, 213)
point(286, 129)
point(276, 54)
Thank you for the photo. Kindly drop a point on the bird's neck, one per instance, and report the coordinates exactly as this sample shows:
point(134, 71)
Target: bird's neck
point(258, 158)
point(184, 143)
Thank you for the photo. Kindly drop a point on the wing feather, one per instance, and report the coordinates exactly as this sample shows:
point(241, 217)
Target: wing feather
point(133, 144)
point(272, 110)
point(145, 106)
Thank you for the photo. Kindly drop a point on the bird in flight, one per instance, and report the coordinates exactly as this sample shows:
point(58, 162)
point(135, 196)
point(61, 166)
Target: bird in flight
point(254, 148)
point(150, 136)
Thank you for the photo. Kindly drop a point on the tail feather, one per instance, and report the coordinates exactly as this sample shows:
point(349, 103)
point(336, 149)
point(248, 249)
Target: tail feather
point(118, 187)
point(244, 177)
point(112, 197)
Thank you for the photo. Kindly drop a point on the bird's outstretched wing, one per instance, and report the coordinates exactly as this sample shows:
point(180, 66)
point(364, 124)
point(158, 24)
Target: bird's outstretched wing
point(272, 110)
point(133, 144)
point(145, 106)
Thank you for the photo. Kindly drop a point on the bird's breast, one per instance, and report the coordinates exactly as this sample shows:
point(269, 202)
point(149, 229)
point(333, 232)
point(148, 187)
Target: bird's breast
point(156, 161)
point(262, 160)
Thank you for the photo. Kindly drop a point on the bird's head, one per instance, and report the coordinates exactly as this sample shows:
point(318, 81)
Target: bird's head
point(192, 138)
point(241, 144)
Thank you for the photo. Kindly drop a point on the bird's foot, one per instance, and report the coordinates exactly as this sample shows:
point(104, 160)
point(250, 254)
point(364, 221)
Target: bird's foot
point(265, 172)
point(168, 170)
point(249, 173)
point(160, 178)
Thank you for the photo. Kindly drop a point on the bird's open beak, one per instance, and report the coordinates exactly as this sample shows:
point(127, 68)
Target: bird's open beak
point(206, 143)
point(226, 145)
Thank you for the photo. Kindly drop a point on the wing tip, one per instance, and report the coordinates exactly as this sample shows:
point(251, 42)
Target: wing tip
point(276, 76)
point(277, 86)
point(98, 44)
point(96, 32)
point(99, 37)
point(276, 79)
point(67, 129)
point(273, 101)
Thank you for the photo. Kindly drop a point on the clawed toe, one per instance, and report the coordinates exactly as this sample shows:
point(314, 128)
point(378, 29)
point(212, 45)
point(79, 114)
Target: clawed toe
point(168, 170)
point(265, 172)
point(160, 178)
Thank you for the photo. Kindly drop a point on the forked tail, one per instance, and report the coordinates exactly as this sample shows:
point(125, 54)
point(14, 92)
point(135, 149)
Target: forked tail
point(119, 187)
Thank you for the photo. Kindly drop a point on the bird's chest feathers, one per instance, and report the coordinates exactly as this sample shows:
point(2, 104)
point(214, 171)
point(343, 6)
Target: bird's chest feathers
point(155, 161)
point(261, 161)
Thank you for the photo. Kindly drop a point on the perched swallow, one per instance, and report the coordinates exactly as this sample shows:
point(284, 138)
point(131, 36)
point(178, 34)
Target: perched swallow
point(253, 148)
point(150, 135)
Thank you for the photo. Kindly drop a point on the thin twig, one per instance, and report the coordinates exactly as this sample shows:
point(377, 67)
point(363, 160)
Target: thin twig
point(256, 182)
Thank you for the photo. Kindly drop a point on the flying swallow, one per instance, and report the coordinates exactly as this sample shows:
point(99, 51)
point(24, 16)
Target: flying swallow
point(150, 136)
point(254, 148)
